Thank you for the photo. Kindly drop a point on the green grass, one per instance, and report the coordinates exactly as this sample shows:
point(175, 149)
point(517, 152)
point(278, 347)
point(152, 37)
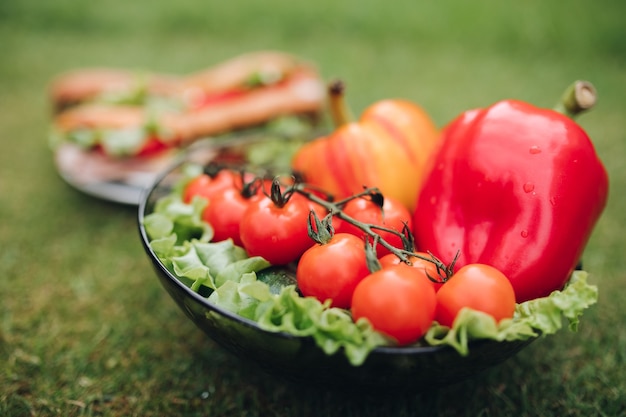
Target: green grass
point(86, 329)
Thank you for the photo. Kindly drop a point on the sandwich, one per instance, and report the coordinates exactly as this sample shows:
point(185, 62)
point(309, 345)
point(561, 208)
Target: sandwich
point(114, 125)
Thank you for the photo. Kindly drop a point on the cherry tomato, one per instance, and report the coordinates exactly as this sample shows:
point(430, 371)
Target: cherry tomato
point(224, 213)
point(278, 234)
point(398, 301)
point(477, 286)
point(207, 186)
point(332, 270)
point(428, 267)
point(393, 215)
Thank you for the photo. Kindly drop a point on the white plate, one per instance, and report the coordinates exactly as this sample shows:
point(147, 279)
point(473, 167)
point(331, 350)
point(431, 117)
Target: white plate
point(119, 180)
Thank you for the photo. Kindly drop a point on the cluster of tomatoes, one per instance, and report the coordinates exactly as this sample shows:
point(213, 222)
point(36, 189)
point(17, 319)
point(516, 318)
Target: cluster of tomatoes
point(356, 257)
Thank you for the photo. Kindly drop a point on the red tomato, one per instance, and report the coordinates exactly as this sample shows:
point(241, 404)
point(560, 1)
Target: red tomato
point(393, 215)
point(265, 187)
point(224, 213)
point(477, 286)
point(332, 270)
point(207, 186)
point(398, 301)
point(278, 234)
point(152, 146)
point(429, 268)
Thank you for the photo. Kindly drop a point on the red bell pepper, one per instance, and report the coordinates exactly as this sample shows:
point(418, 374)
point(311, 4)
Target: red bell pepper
point(516, 187)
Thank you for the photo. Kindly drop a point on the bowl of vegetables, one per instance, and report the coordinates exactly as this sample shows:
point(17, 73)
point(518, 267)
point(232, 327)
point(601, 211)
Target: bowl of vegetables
point(248, 289)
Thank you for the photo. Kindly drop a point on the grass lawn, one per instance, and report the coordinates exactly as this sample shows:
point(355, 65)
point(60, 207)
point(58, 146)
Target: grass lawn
point(86, 329)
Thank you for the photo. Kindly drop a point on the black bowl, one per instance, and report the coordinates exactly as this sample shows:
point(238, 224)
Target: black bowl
point(299, 358)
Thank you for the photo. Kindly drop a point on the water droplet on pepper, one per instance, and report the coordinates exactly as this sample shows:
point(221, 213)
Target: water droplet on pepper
point(524, 234)
point(529, 187)
point(534, 149)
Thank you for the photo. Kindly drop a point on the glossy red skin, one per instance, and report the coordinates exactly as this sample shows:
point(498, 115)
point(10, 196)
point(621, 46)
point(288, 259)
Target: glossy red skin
point(393, 215)
point(224, 213)
point(516, 187)
point(206, 186)
point(389, 148)
point(398, 301)
point(332, 270)
point(428, 267)
point(278, 234)
point(479, 287)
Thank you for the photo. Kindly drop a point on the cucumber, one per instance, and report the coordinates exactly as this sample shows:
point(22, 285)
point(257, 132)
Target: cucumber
point(277, 278)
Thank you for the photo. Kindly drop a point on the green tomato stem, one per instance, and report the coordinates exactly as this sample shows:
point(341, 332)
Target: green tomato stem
point(321, 231)
point(580, 96)
point(334, 208)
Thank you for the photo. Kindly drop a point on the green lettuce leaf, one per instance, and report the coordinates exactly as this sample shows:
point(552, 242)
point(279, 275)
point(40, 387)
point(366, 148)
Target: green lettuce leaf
point(233, 271)
point(544, 314)
point(331, 328)
point(241, 297)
